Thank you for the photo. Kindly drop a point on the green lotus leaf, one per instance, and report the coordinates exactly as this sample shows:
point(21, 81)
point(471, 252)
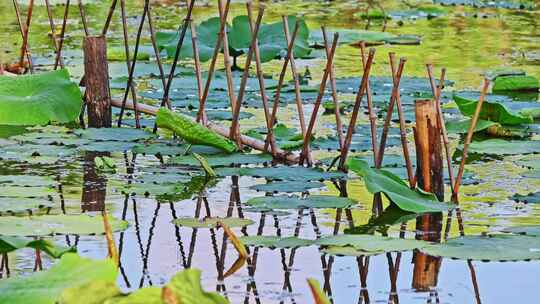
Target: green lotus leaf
point(500, 247)
point(21, 191)
point(283, 173)
point(531, 198)
point(296, 202)
point(114, 134)
point(516, 83)
point(275, 241)
point(46, 287)
point(396, 189)
point(186, 288)
point(10, 243)
point(191, 131)
point(223, 160)
point(504, 147)
point(527, 230)
point(18, 205)
point(39, 99)
point(370, 243)
point(45, 225)
point(211, 222)
point(492, 111)
point(288, 186)
point(462, 126)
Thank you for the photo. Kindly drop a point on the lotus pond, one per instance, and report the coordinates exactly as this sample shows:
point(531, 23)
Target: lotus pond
point(170, 205)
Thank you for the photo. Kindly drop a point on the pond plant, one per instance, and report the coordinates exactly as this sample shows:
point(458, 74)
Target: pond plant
point(227, 100)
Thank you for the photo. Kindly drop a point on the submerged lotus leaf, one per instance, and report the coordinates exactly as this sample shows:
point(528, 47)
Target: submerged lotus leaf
point(288, 186)
point(283, 173)
point(296, 202)
point(396, 189)
point(516, 83)
point(57, 224)
point(39, 99)
point(11, 243)
point(370, 243)
point(223, 160)
point(275, 241)
point(18, 205)
point(185, 287)
point(500, 247)
point(47, 286)
point(531, 198)
point(212, 222)
point(491, 110)
point(114, 134)
point(191, 131)
point(504, 147)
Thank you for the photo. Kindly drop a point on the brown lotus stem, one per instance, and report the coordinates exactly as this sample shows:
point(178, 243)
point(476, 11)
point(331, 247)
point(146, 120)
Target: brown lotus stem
point(201, 114)
point(228, 66)
point(24, 31)
point(339, 125)
point(83, 17)
point(468, 139)
point(371, 112)
point(260, 77)
point(111, 246)
point(296, 79)
point(130, 86)
point(437, 96)
point(305, 150)
point(356, 109)
point(109, 17)
point(245, 75)
point(197, 63)
point(396, 79)
point(53, 31)
point(58, 59)
point(290, 46)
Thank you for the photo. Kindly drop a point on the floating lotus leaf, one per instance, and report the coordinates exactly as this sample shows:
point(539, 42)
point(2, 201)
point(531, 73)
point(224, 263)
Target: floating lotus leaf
point(21, 191)
point(114, 134)
point(349, 36)
point(118, 53)
point(462, 126)
point(168, 147)
point(39, 99)
point(191, 131)
point(275, 241)
point(18, 205)
point(527, 230)
point(288, 186)
point(516, 83)
point(348, 251)
point(223, 160)
point(492, 111)
point(396, 189)
point(56, 224)
point(10, 243)
point(486, 3)
point(26, 180)
point(370, 243)
point(212, 222)
point(390, 216)
point(46, 286)
point(220, 115)
point(296, 202)
point(504, 147)
point(529, 161)
point(501, 247)
point(283, 173)
point(531, 198)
